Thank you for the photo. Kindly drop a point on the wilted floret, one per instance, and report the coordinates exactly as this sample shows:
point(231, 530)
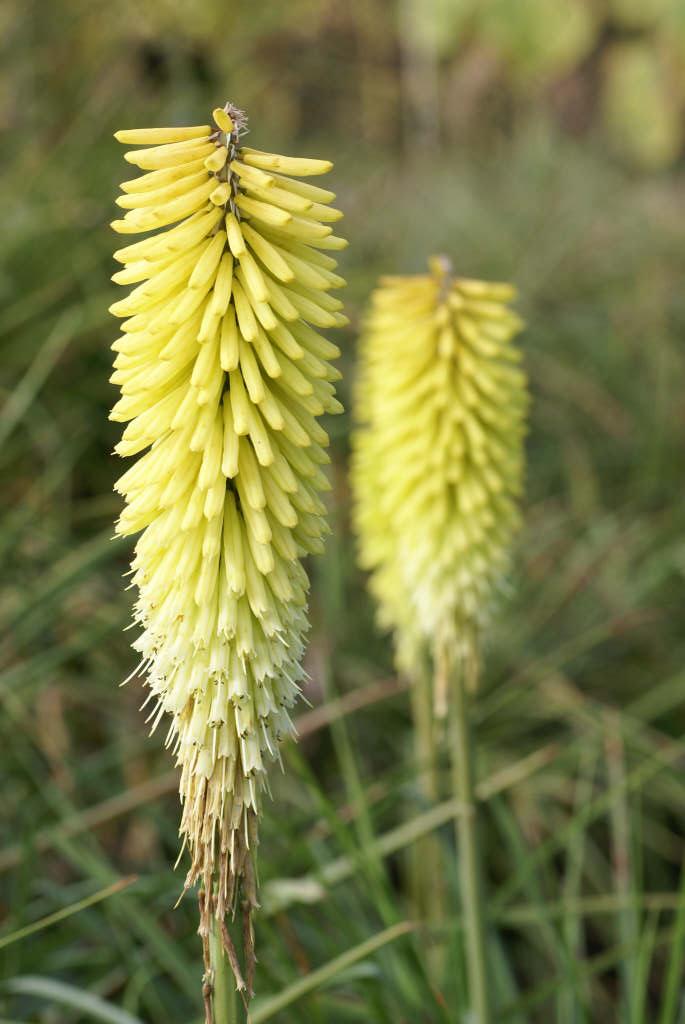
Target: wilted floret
point(438, 455)
point(223, 375)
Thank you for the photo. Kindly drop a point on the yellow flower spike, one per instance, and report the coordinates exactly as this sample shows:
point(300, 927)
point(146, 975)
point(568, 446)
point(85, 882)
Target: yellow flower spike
point(224, 489)
point(437, 456)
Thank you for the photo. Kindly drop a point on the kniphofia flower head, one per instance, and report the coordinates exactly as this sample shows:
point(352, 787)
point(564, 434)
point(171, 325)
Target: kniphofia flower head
point(437, 455)
point(223, 376)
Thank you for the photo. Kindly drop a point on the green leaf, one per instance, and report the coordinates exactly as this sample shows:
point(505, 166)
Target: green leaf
point(265, 1009)
point(60, 915)
point(68, 995)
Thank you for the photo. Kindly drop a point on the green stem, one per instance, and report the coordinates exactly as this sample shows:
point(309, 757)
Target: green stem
point(467, 838)
point(428, 874)
point(224, 1002)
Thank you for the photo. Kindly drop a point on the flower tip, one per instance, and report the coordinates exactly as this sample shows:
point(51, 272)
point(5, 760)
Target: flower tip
point(440, 266)
point(222, 119)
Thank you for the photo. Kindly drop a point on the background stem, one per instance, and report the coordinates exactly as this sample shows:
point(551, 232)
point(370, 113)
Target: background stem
point(461, 749)
point(428, 889)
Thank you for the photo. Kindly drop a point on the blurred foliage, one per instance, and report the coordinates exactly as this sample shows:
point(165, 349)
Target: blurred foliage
point(640, 105)
point(613, 67)
point(536, 173)
point(541, 42)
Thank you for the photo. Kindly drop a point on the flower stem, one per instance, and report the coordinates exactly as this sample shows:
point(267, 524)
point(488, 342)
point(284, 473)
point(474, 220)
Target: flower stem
point(462, 752)
point(224, 1002)
point(428, 873)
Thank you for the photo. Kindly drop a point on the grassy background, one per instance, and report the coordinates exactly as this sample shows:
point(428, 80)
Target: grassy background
point(486, 138)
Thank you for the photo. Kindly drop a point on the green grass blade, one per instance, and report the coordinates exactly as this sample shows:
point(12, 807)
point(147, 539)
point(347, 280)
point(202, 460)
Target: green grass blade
point(673, 986)
point(265, 1009)
point(638, 998)
point(61, 915)
point(59, 992)
point(28, 387)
